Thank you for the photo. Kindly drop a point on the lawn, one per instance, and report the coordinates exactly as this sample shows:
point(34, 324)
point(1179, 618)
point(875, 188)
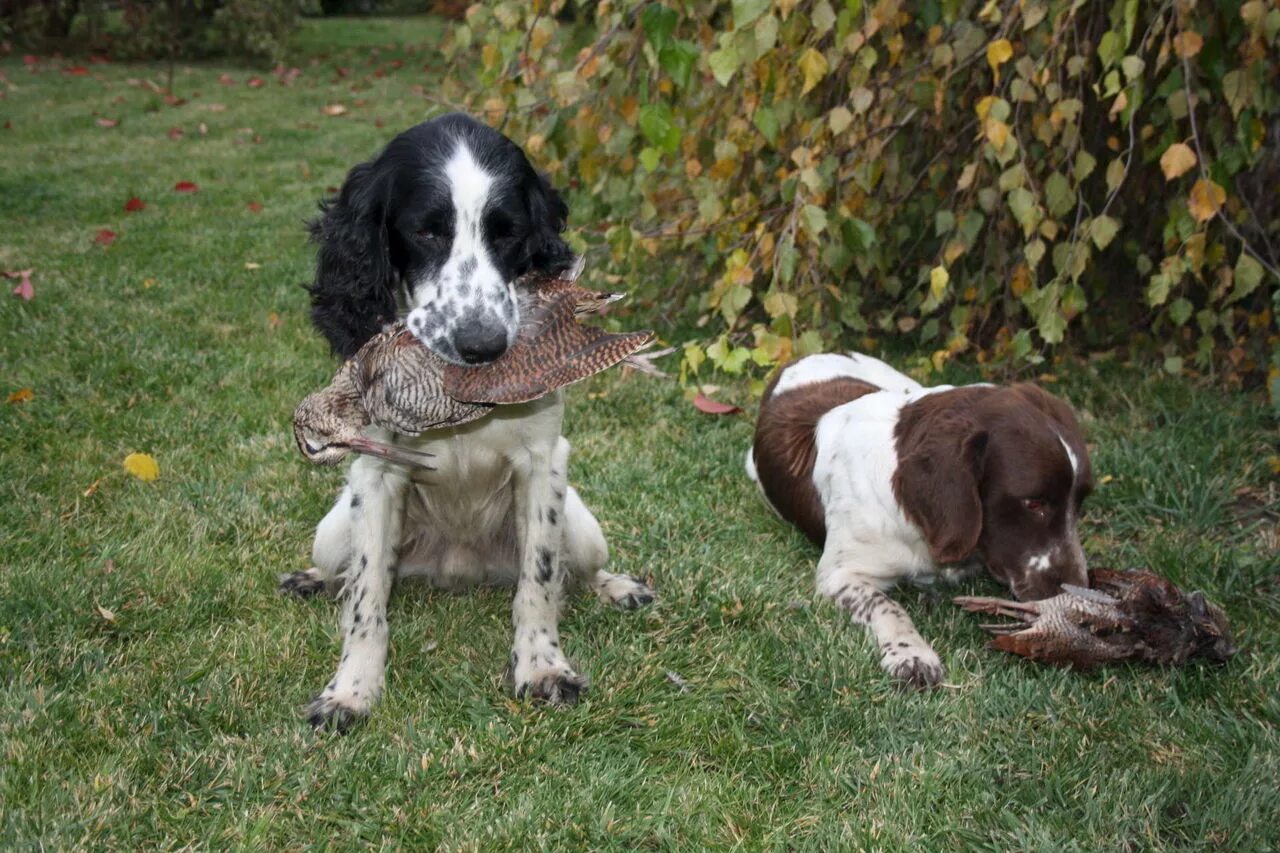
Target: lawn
point(154, 679)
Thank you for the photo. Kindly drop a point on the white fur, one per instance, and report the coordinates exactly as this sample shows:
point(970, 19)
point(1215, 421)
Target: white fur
point(497, 509)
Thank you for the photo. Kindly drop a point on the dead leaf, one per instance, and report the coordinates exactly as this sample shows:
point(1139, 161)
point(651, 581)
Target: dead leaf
point(226, 80)
point(93, 488)
point(1206, 198)
point(22, 395)
point(255, 207)
point(334, 110)
point(254, 83)
point(77, 70)
point(142, 465)
point(24, 291)
point(134, 204)
point(185, 187)
point(273, 320)
point(108, 122)
point(252, 265)
point(176, 133)
point(1176, 160)
point(105, 237)
point(107, 615)
point(714, 407)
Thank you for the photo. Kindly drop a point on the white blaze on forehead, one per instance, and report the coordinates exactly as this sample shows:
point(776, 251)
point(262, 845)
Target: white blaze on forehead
point(470, 187)
point(1071, 456)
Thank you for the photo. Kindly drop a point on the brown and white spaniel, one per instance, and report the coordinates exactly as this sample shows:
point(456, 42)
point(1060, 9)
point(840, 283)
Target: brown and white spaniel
point(895, 481)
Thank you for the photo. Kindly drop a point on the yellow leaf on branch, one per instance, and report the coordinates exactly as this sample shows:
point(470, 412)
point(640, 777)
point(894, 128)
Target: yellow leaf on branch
point(1206, 198)
point(1176, 160)
point(142, 465)
point(999, 52)
point(813, 65)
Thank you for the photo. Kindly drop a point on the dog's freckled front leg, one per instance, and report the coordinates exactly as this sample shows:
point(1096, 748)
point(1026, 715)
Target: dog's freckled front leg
point(539, 668)
point(376, 520)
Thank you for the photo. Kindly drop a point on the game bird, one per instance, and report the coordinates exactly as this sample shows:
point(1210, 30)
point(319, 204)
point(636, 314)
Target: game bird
point(397, 383)
point(1124, 615)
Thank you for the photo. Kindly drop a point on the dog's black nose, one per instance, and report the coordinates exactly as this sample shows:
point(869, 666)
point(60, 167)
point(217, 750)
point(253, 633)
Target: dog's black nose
point(478, 342)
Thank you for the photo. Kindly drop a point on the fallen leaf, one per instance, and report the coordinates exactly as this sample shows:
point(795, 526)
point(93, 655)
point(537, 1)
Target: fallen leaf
point(105, 237)
point(185, 187)
point(202, 129)
point(273, 320)
point(106, 614)
point(1206, 198)
point(334, 110)
point(255, 207)
point(176, 133)
point(714, 407)
point(93, 488)
point(134, 204)
point(108, 122)
point(24, 290)
point(148, 283)
point(142, 465)
point(77, 70)
point(226, 80)
point(174, 100)
point(254, 83)
point(22, 395)
point(252, 265)
point(1176, 160)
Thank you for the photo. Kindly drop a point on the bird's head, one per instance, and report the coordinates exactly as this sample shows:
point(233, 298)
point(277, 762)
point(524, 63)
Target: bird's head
point(1212, 632)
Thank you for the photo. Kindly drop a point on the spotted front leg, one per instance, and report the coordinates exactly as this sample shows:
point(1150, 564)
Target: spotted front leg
point(376, 513)
point(904, 654)
point(539, 668)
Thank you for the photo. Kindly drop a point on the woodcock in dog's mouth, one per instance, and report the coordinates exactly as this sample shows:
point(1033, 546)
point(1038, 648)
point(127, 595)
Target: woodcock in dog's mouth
point(397, 383)
point(1125, 615)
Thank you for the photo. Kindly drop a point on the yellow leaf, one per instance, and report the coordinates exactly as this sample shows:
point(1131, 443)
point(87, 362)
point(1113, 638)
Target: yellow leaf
point(1176, 160)
point(1021, 281)
point(938, 279)
point(997, 133)
point(490, 56)
point(1206, 198)
point(22, 395)
point(1187, 44)
point(1118, 106)
point(999, 52)
point(984, 106)
point(142, 465)
point(813, 65)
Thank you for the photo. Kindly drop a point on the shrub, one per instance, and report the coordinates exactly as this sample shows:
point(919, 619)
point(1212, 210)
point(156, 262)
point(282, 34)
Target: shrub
point(993, 179)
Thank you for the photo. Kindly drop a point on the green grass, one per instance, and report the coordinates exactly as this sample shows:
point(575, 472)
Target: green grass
point(177, 723)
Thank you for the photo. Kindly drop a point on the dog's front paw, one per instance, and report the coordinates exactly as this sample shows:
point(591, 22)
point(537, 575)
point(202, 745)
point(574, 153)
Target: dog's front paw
point(303, 584)
point(917, 667)
point(556, 684)
point(332, 712)
point(625, 592)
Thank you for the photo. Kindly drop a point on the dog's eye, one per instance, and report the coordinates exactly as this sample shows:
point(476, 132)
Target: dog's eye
point(431, 232)
point(1034, 504)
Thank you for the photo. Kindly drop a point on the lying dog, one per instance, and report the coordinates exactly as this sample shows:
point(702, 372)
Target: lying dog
point(895, 481)
point(439, 229)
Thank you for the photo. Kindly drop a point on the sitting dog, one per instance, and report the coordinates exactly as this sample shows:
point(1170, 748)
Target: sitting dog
point(895, 481)
point(438, 229)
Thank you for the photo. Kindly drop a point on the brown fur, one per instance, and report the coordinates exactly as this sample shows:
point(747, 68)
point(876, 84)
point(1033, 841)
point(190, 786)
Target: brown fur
point(785, 447)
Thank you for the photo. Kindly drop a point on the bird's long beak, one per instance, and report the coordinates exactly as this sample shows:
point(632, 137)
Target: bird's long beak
point(392, 453)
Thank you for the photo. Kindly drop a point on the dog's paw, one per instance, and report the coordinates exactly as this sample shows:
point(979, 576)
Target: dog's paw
point(915, 667)
point(557, 684)
point(303, 584)
point(331, 712)
point(625, 592)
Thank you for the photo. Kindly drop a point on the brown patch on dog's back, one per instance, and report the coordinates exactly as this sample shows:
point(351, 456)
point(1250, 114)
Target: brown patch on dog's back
point(785, 447)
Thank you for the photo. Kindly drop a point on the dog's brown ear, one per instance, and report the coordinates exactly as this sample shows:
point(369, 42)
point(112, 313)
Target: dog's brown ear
point(936, 484)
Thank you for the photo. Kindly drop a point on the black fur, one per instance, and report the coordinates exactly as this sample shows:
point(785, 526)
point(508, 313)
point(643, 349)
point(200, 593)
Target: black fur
point(392, 222)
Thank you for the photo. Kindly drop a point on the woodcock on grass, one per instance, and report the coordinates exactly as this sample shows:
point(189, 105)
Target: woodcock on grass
point(397, 383)
point(1129, 615)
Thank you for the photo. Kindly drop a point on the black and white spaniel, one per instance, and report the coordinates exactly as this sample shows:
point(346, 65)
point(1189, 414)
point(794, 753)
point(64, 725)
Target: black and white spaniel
point(895, 481)
point(437, 229)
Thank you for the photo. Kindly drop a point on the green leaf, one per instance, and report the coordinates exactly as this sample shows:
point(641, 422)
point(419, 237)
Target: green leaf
point(1025, 210)
point(823, 17)
point(1059, 195)
point(1173, 365)
point(859, 234)
point(724, 63)
point(1248, 275)
point(1102, 230)
point(659, 23)
point(746, 11)
point(678, 59)
point(814, 220)
point(733, 301)
point(1085, 164)
point(766, 121)
point(650, 158)
point(1180, 311)
point(659, 127)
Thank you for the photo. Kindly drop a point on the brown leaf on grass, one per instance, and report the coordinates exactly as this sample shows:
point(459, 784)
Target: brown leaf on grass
point(107, 615)
point(226, 80)
point(334, 110)
point(176, 133)
point(185, 187)
point(93, 488)
point(24, 290)
point(714, 407)
point(104, 237)
point(108, 122)
point(273, 320)
point(22, 395)
point(254, 83)
point(255, 207)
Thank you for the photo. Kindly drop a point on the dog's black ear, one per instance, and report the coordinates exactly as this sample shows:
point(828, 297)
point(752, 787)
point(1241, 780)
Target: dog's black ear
point(548, 213)
point(353, 296)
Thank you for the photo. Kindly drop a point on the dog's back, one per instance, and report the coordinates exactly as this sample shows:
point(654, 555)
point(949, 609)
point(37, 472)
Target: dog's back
point(793, 403)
